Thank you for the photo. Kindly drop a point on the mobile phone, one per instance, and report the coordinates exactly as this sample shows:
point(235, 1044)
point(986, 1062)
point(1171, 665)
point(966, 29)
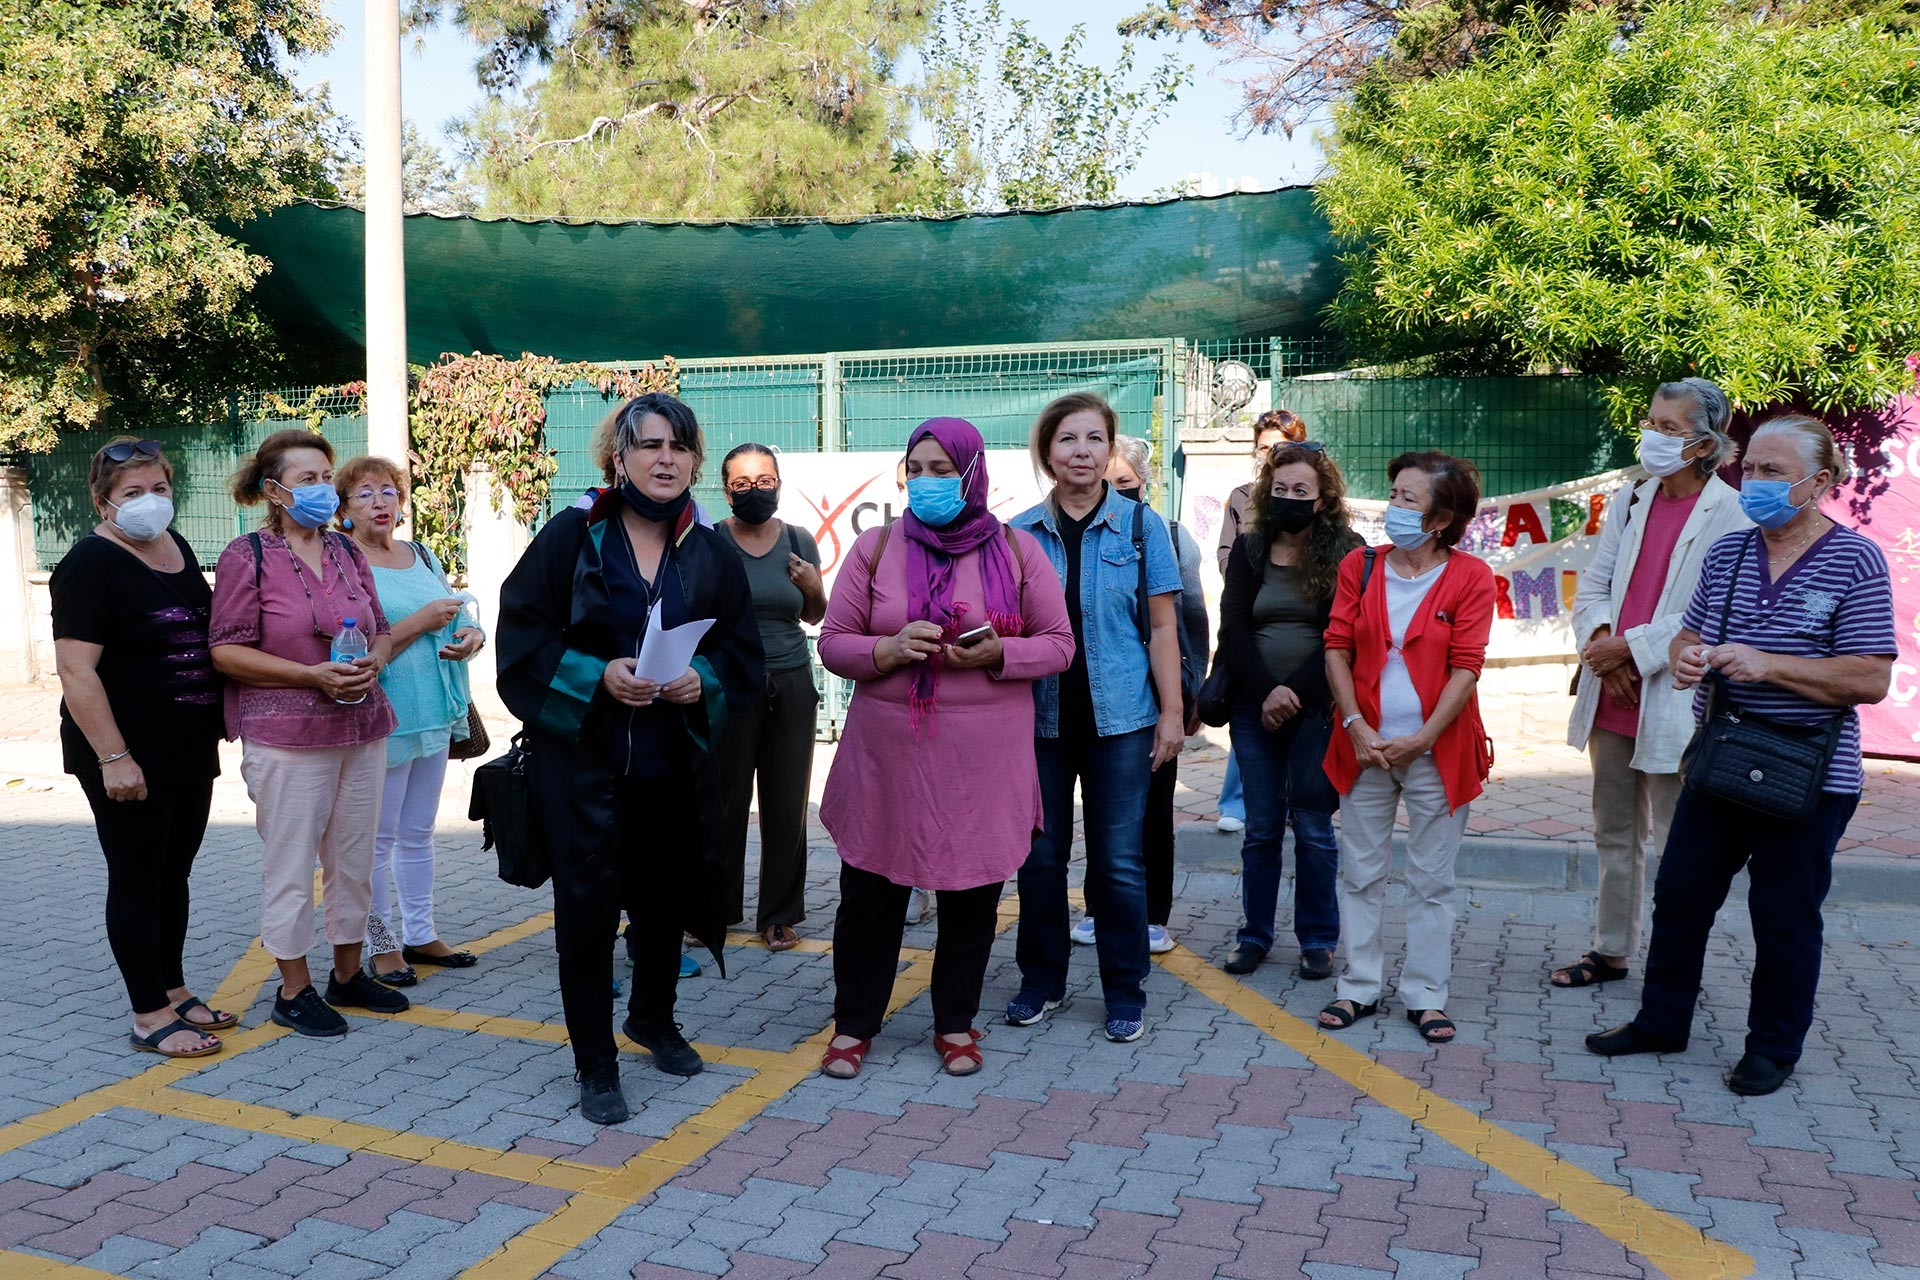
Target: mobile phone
point(968, 639)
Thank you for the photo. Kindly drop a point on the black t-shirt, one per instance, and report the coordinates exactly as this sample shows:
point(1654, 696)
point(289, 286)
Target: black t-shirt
point(154, 663)
point(1076, 695)
point(650, 741)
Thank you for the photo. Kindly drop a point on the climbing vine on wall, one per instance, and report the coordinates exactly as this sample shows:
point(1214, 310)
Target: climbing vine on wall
point(481, 410)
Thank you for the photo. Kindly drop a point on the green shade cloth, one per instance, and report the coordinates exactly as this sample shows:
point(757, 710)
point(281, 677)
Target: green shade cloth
point(1226, 266)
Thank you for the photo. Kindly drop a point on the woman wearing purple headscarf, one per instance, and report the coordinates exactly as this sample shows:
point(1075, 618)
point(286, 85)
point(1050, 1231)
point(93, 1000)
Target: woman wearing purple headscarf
point(943, 621)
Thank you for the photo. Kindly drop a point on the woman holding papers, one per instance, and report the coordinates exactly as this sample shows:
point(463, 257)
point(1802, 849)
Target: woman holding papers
point(624, 770)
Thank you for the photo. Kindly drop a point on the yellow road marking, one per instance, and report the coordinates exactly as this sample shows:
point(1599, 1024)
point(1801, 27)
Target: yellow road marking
point(16, 1265)
point(421, 1015)
point(1676, 1247)
point(513, 933)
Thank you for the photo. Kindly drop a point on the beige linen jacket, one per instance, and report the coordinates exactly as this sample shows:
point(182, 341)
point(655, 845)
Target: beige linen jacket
point(1666, 713)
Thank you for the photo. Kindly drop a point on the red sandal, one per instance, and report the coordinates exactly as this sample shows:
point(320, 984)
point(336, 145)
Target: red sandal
point(854, 1055)
point(960, 1059)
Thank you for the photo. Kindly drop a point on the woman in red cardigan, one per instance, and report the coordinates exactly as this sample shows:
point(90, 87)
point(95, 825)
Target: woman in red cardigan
point(1404, 649)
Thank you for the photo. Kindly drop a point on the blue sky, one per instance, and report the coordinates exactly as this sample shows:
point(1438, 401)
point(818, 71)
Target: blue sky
point(1197, 136)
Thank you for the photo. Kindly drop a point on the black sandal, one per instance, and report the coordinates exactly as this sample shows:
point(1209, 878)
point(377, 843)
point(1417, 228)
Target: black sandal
point(452, 960)
point(221, 1021)
point(1590, 970)
point(1339, 1009)
point(151, 1044)
point(401, 977)
point(1430, 1029)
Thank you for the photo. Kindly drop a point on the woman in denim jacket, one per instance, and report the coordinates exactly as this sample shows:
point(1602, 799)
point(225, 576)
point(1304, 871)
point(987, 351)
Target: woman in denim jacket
point(1109, 721)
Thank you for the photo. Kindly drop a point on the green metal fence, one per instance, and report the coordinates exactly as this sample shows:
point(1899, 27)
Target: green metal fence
point(202, 457)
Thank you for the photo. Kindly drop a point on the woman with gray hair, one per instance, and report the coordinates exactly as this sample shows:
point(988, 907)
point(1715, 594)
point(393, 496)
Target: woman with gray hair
point(1627, 716)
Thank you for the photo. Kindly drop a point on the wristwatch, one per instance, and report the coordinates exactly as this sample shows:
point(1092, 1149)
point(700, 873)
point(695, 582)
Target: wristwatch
point(1348, 722)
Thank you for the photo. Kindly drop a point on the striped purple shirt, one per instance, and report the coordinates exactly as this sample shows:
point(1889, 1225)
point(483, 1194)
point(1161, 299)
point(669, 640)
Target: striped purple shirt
point(1835, 600)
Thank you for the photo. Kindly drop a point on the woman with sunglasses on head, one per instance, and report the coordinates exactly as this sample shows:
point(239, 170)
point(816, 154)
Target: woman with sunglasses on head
point(773, 738)
point(140, 729)
point(312, 730)
point(426, 683)
point(1273, 618)
point(624, 772)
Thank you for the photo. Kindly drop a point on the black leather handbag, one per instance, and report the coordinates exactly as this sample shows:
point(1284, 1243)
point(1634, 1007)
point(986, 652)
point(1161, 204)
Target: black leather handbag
point(501, 804)
point(1752, 760)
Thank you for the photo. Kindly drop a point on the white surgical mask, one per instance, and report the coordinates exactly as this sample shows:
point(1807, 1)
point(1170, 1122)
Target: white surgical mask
point(143, 518)
point(1660, 454)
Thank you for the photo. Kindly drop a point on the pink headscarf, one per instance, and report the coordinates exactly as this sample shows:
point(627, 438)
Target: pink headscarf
point(931, 553)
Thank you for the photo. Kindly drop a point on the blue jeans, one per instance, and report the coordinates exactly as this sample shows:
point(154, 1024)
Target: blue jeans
point(1232, 803)
point(1113, 774)
point(1316, 857)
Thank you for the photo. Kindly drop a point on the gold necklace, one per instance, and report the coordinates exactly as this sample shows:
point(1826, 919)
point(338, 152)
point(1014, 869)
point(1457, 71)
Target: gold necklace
point(1795, 549)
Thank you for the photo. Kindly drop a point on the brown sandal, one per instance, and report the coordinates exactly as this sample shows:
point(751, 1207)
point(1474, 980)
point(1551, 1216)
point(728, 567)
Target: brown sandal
point(854, 1055)
point(961, 1059)
point(780, 937)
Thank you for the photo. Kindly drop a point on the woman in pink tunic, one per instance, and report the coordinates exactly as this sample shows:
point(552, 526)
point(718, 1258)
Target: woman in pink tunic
point(943, 620)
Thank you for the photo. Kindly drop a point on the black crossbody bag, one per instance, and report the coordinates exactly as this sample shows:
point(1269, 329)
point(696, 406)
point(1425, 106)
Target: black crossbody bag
point(1755, 761)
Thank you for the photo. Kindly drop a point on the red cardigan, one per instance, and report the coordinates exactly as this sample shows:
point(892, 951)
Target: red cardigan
point(1448, 634)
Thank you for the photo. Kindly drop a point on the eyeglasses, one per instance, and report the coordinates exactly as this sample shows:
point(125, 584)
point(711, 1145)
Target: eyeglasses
point(368, 495)
point(762, 483)
point(1648, 424)
point(1309, 446)
point(124, 450)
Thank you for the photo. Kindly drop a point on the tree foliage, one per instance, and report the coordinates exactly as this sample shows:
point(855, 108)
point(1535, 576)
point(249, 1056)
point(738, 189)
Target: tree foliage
point(1019, 125)
point(1684, 194)
point(135, 136)
point(430, 183)
point(691, 108)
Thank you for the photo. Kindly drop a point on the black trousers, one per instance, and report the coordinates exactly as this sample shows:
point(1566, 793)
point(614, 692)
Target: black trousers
point(866, 952)
point(774, 739)
point(611, 841)
point(150, 846)
point(1156, 842)
point(1789, 869)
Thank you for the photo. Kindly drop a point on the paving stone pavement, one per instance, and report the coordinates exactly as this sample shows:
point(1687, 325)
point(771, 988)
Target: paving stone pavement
point(1232, 1140)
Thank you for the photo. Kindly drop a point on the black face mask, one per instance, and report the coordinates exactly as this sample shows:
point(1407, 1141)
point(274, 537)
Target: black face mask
point(755, 506)
point(647, 509)
point(1291, 515)
point(1125, 492)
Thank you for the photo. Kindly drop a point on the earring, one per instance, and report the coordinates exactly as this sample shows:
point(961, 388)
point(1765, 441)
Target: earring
point(346, 522)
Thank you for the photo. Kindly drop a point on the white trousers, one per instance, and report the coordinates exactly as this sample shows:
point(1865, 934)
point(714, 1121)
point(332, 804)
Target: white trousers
point(403, 854)
point(1628, 806)
point(1366, 857)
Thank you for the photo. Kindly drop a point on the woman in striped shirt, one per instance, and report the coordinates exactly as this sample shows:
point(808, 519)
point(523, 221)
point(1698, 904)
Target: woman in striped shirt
point(1797, 617)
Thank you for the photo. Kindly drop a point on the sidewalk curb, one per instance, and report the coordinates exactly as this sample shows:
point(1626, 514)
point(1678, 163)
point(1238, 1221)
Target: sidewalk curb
point(1567, 866)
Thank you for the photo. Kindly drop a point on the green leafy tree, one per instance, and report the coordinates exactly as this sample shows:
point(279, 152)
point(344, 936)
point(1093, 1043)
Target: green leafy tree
point(1641, 201)
point(1019, 125)
point(134, 137)
point(429, 181)
point(691, 108)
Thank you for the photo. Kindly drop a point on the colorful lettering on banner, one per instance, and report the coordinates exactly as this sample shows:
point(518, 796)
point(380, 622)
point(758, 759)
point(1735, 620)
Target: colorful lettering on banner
point(1523, 517)
point(1531, 589)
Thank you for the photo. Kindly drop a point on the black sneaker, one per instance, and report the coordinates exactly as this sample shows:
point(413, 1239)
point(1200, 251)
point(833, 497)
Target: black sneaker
point(362, 992)
point(308, 1014)
point(600, 1098)
point(670, 1050)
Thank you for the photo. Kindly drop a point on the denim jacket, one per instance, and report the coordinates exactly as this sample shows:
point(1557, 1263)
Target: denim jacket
point(1117, 668)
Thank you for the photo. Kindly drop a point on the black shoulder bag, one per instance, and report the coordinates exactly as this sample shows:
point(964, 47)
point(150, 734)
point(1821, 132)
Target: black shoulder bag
point(1143, 619)
point(501, 804)
point(1755, 761)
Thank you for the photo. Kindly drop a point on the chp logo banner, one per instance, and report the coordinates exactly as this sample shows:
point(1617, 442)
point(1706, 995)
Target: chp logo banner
point(1539, 543)
point(839, 496)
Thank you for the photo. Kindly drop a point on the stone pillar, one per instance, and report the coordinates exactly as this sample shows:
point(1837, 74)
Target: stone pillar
point(17, 665)
point(495, 540)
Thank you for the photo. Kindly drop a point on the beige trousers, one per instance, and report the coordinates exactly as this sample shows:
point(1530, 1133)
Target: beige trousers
point(1366, 857)
point(318, 804)
point(1628, 806)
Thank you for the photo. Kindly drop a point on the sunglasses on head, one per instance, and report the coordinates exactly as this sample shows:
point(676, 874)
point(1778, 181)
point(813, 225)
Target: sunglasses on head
point(1311, 446)
point(127, 448)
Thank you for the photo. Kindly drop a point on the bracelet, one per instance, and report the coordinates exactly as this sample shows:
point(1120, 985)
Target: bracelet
point(1348, 722)
point(118, 755)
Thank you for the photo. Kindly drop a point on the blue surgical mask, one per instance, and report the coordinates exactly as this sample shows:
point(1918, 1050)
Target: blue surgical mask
point(313, 504)
point(938, 500)
point(1769, 503)
point(1403, 527)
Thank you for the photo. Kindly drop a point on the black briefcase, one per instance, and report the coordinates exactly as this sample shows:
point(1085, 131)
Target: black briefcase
point(503, 808)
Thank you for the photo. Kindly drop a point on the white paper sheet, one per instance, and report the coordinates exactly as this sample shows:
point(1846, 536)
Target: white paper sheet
point(665, 655)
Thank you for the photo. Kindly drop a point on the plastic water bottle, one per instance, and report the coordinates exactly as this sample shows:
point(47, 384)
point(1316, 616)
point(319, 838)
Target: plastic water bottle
point(350, 646)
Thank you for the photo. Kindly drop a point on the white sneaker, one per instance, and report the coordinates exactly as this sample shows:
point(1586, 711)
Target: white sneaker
point(1159, 941)
point(1229, 824)
point(919, 905)
point(1082, 932)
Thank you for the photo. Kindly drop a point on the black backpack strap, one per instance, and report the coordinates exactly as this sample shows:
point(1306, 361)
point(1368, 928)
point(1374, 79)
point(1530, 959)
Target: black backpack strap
point(1143, 618)
point(793, 541)
point(1366, 570)
point(259, 555)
